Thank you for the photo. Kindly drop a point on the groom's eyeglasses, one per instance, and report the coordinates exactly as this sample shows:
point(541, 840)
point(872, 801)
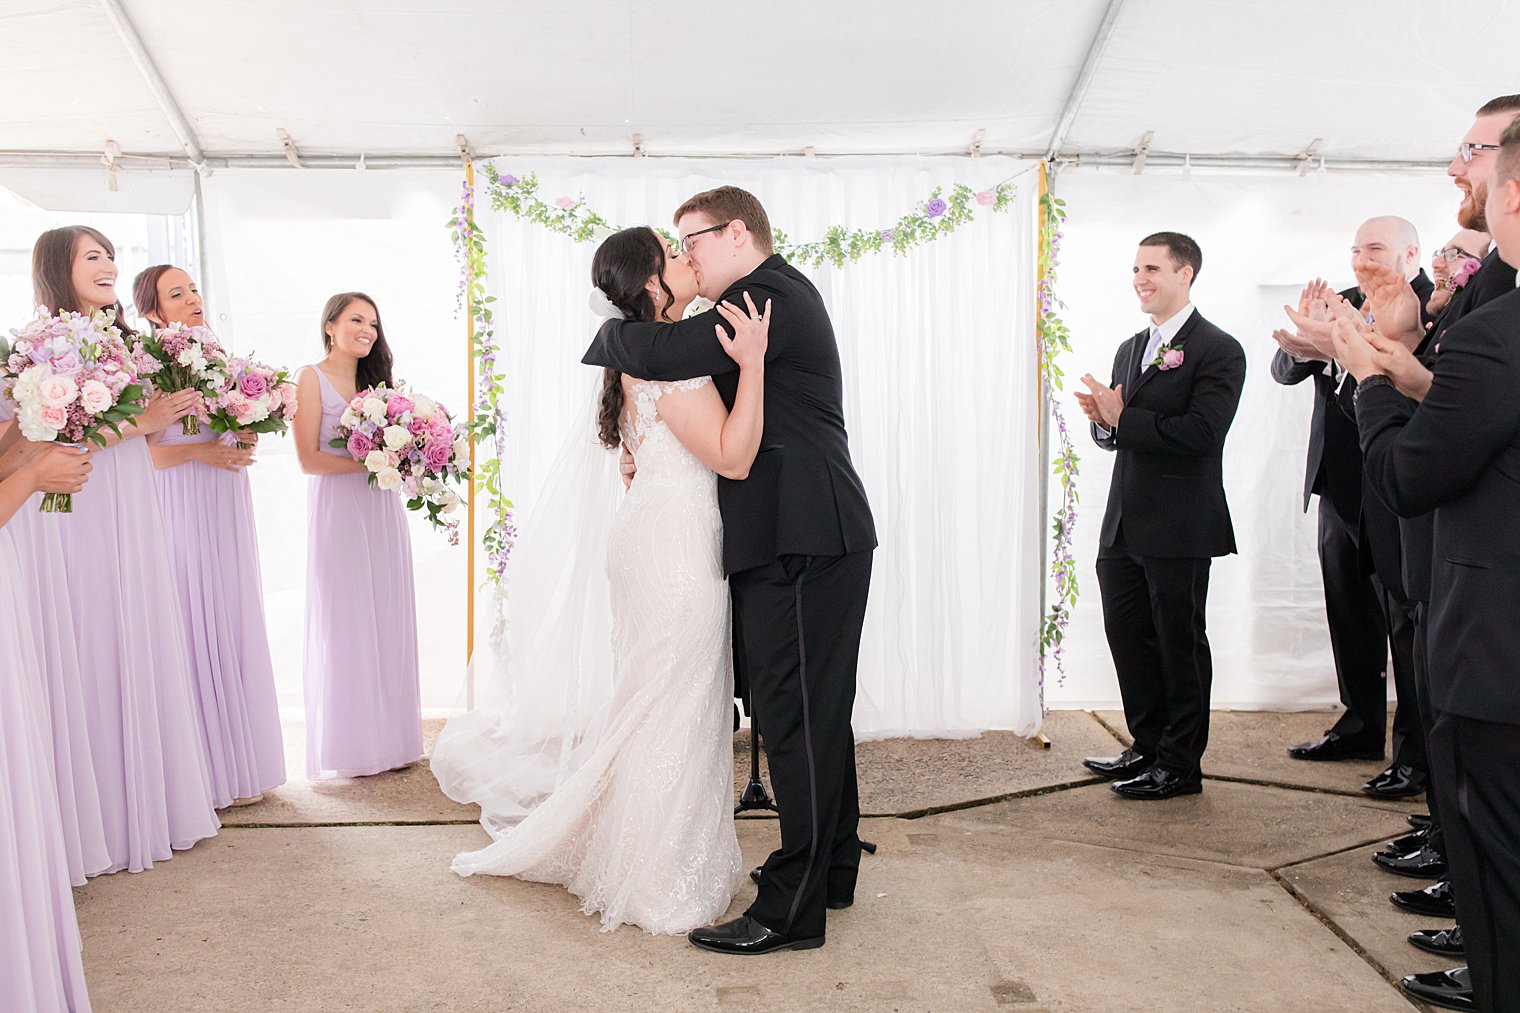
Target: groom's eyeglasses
point(686, 243)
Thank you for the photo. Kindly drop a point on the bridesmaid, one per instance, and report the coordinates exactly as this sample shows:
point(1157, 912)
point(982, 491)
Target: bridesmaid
point(148, 749)
point(204, 493)
point(40, 966)
point(363, 700)
point(46, 612)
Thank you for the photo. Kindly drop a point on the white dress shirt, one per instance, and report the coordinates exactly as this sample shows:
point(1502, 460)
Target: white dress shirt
point(1163, 333)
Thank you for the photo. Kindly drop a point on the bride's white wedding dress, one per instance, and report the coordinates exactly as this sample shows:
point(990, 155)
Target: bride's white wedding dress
point(638, 822)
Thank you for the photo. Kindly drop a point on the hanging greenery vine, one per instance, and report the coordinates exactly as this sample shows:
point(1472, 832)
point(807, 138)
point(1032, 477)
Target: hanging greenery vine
point(490, 392)
point(1053, 339)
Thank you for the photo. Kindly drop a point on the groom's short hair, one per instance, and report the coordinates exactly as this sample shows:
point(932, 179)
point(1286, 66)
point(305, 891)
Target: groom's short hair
point(727, 204)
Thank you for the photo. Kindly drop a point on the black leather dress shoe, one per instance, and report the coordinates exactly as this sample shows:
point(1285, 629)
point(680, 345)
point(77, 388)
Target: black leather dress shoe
point(1332, 746)
point(833, 903)
point(1432, 902)
point(1398, 781)
point(1427, 863)
point(1410, 842)
point(746, 936)
point(1126, 765)
point(1442, 942)
point(1419, 820)
point(1446, 989)
point(1158, 783)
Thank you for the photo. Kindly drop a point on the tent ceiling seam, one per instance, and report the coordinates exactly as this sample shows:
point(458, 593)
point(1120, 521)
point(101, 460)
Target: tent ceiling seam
point(117, 14)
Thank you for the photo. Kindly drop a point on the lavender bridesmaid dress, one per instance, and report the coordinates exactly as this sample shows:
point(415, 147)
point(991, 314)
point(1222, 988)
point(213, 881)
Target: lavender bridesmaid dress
point(44, 613)
point(149, 750)
point(363, 699)
point(40, 966)
point(214, 549)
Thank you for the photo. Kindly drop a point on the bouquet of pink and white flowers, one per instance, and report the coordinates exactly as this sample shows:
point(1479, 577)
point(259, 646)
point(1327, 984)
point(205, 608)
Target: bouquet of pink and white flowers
point(409, 444)
point(188, 358)
point(254, 397)
point(71, 378)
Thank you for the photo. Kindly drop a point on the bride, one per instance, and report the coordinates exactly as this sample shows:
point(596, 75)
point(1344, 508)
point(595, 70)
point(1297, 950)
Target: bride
point(622, 790)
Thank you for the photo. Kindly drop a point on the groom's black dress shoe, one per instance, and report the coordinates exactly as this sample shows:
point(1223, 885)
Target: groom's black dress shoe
point(833, 903)
point(1158, 783)
point(1398, 781)
point(1446, 989)
point(1419, 820)
point(1442, 942)
point(1126, 765)
point(744, 935)
point(1411, 842)
point(1432, 902)
point(1426, 863)
point(1333, 746)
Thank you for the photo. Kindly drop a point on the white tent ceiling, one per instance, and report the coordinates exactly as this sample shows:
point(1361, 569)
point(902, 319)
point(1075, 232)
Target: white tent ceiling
point(1373, 80)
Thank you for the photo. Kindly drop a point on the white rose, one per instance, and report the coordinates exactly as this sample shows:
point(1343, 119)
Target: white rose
point(258, 410)
point(462, 452)
point(389, 479)
point(450, 504)
point(374, 409)
point(25, 390)
point(377, 461)
point(350, 418)
point(95, 396)
point(396, 437)
point(57, 391)
point(423, 407)
point(32, 427)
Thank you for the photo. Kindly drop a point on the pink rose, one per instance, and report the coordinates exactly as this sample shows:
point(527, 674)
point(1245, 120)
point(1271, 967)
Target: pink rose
point(1171, 358)
point(986, 198)
point(54, 416)
point(95, 397)
point(566, 202)
point(252, 386)
point(56, 392)
point(398, 405)
point(418, 427)
point(358, 446)
point(437, 455)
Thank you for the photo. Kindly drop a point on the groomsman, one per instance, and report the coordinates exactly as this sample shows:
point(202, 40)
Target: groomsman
point(1457, 454)
point(1359, 537)
point(1165, 413)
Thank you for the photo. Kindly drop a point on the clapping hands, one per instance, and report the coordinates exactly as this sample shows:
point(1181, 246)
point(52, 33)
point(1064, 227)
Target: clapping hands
point(1312, 318)
point(1101, 404)
point(1362, 352)
point(1392, 301)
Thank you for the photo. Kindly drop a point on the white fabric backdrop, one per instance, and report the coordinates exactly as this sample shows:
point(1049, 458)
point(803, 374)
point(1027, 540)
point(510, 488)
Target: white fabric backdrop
point(939, 399)
point(1262, 238)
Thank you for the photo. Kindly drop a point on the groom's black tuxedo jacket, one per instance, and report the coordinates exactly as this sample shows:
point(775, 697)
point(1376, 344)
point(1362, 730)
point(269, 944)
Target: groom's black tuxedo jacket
point(802, 495)
point(1458, 454)
point(1168, 484)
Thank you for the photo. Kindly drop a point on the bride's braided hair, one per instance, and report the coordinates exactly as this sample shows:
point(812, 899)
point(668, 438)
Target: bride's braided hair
point(621, 267)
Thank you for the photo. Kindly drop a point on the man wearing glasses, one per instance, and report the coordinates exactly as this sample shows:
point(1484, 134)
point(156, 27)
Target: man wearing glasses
point(1469, 244)
point(1397, 314)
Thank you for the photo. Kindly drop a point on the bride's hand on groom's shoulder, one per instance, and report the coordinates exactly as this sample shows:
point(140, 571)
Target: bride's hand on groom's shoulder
point(751, 332)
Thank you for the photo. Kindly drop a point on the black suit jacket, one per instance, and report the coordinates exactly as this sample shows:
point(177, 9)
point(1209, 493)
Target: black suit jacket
point(1458, 455)
point(1168, 483)
point(1334, 466)
point(1494, 280)
point(802, 494)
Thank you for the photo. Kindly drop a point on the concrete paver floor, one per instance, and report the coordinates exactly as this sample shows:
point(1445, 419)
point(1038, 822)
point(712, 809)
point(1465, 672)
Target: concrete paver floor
point(1007, 878)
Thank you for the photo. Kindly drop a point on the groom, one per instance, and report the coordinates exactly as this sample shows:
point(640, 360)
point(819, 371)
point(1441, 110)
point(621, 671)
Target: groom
point(797, 541)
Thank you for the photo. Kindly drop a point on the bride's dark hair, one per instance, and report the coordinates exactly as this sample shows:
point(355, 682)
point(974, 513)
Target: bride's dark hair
point(620, 268)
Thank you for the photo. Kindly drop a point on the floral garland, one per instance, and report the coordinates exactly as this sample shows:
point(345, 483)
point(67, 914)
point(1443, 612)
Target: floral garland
point(490, 403)
point(1053, 338)
point(935, 218)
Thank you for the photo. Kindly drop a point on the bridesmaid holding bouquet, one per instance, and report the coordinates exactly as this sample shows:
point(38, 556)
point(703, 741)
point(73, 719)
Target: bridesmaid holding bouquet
point(148, 750)
point(207, 505)
point(363, 699)
point(40, 966)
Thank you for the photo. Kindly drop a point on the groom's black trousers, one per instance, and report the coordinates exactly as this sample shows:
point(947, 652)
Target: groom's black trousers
point(800, 619)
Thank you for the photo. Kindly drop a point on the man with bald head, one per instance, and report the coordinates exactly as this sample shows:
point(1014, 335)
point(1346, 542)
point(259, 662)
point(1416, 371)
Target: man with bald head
point(1359, 548)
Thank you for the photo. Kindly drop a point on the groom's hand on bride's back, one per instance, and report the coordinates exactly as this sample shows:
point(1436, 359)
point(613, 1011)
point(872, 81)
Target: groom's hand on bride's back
point(626, 466)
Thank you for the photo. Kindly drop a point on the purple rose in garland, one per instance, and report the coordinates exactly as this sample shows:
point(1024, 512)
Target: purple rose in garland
point(510, 180)
point(936, 207)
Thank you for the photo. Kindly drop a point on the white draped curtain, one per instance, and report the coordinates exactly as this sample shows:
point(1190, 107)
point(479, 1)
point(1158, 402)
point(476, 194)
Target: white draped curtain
point(940, 400)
